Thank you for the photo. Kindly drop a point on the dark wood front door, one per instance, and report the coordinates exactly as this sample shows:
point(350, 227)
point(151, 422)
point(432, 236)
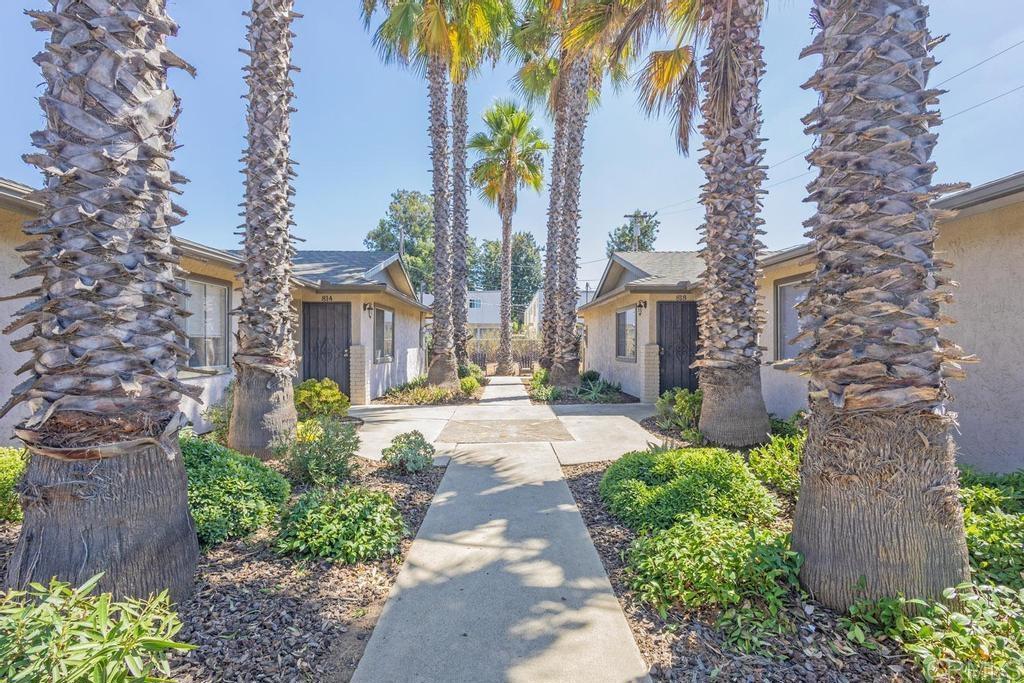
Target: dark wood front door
point(677, 340)
point(326, 336)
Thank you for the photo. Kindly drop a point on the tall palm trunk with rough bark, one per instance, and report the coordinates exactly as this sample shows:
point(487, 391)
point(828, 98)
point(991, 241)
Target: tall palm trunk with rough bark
point(263, 412)
point(442, 368)
point(878, 513)
point(460, 221)
point(105, 489)
point(506, 364)
point(566, 363)
point(733, 412)
point(549, 313)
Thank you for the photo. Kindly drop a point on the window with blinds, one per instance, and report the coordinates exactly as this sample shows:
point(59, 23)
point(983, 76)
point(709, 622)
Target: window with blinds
point(206, 325)
point(787, 320)
point(625, 334)
point(383, 335)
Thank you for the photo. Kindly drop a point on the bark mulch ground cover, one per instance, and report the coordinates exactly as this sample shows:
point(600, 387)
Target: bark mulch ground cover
point(688, 647)
point(257, 616)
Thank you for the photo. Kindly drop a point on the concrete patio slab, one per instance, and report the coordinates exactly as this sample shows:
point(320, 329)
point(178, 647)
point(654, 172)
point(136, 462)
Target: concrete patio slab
point(505, 411)
point(502, 584)
point(504, 431)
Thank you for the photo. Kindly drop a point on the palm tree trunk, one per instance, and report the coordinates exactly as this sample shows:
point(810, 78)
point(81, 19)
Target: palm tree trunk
point(460, 222)
point(878, 513)
point(442, 368)
point(505, 360)
point(566, 366)
point(263, 410)
point(733, 412)
point(105, 488)
point(549, 312)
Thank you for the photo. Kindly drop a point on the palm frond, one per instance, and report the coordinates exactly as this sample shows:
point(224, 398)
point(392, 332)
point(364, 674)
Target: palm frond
point(669, 83)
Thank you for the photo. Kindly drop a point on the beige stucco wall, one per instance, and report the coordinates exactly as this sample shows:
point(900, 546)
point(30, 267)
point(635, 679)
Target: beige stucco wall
point(11, 236)
point(986, 246)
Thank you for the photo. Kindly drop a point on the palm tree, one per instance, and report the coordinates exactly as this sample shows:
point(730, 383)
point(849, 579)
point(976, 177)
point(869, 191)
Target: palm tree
point(511, 157)
point(733, 412)
point(878, 513)
point(478, 27)
point(418, 32)
point(105, 489)
point(263, 410)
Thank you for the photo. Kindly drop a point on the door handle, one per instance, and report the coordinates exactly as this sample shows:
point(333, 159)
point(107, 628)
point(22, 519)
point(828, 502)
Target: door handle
point(345, 353)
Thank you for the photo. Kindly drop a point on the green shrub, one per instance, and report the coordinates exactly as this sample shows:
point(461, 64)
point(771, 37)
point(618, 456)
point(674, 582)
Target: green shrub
point(230, 495)
point(793, 426)
point(409, 452)
point(546, 393)
point(219, 416)
point(710, 561)
point(540, 378)
point(323, 452)
point(599, 391)
point(60, 633)
point(679, 409)
point(777, 463)
point(320, 398)
point(589, 376)
point(983, 498)
point(349, 524)
point(418, 392)
point(995, 544)
point(983, 491)
point(468, 385)
point(975, 637)
point(475, 371)
point(12, 466)
point(652, 489)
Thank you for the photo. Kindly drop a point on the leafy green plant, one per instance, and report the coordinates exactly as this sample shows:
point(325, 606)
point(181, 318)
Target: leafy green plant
point(60, 633)
point(218, 415)
point(599, 391)
point(540, 378)
point(777, 463)
point(468, 385)
point(349, 524)
point(792, 426)
point(320, 398)
point(995, 545)
point(230, 495)
point(475, 371)
point(546, 393)
point(711, 561)
point(653, 489)
point(975, 635)
point(981, 491)
point(589, 376)
point(12, 465)
point(409, 453)
point(323, 452)
point(678, 409)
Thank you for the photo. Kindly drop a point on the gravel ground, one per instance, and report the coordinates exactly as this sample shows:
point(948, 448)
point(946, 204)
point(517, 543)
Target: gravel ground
point(687, 647)
point(256, 616)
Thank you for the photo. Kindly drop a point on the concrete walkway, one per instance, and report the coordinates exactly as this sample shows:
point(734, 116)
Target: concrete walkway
point(502, 582)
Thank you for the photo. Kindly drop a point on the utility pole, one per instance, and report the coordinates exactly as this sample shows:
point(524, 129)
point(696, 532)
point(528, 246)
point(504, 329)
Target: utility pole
point(634, 224)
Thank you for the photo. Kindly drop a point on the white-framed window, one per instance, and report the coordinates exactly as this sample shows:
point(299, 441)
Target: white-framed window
point(475, 303)
point(787, 320)
point(383, 335)
point(207, 326)
point(625, 334)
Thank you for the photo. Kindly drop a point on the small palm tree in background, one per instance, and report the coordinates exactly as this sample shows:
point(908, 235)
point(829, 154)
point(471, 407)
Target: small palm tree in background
point(419, 33)
point(478, 29)
point(733, 412)
point(105, 334)
point(878, 513)
point(263, 409)
point(511, 155)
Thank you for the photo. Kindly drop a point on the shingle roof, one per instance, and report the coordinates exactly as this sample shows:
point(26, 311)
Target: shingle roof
point(337, 267)
point(664, 268)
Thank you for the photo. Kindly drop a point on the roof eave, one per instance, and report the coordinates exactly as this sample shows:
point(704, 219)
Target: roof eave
point(984, 193)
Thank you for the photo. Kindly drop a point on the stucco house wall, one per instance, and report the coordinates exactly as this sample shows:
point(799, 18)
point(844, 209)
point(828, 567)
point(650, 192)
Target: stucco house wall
point(599, 353)
point(11, 220)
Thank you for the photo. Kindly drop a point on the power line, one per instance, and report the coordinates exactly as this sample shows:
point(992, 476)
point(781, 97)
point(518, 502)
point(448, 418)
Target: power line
point(991, 99)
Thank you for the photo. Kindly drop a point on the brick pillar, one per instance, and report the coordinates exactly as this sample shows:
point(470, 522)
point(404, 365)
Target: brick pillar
point(358, 375)
point(650, 373)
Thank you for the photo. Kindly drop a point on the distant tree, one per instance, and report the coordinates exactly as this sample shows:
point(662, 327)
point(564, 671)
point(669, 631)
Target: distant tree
point(527, 269)
point(642, 224)
point(410, 212)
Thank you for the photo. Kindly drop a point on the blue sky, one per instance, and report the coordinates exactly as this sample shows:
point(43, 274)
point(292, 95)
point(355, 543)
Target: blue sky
point(361, 127)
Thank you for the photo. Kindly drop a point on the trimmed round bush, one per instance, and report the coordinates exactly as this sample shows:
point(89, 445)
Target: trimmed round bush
point(589, 376)
point(230, 495)
point(777, 463)
point(12, 465)
point(320, 398)
point(409, 453)
point(468, 385)
point(653, 489)
point(349, 524)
